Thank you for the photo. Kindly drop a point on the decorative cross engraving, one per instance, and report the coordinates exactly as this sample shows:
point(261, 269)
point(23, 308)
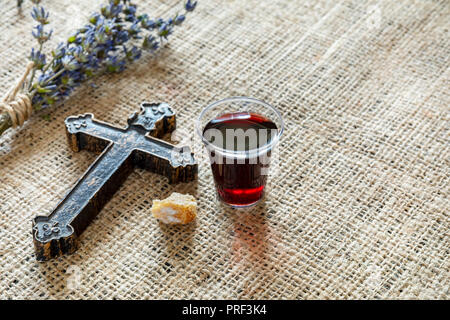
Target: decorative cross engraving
point(121, 150)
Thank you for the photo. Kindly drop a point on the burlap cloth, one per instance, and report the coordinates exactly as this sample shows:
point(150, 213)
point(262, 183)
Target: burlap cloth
point(358, 205)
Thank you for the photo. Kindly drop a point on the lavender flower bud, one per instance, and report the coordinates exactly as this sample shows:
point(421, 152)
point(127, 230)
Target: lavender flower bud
point(38, 58)
point(130, 13)
point(59, 52)
point(41, 35)
point(179, 19)
point(39, 14)
point(111, 10)
point(122, 37)
point(132, 55)
point(115, 65)
point(134, 30)
point(150, 43)
point(148, 23)
point(100, 36)
point(190, 6)
point(164, 30)
point(43, 86)
point(69, 63)
point(79, 54)
point(94, 18)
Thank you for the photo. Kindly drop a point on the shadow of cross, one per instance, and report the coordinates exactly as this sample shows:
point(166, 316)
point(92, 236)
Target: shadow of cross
point(121, 150)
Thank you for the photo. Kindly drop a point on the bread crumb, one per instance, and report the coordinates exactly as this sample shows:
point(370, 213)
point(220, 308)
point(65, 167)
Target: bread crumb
point(176, 209)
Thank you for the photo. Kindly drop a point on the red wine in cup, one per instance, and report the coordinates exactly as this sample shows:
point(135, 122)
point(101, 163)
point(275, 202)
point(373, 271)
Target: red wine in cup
point(240, 182)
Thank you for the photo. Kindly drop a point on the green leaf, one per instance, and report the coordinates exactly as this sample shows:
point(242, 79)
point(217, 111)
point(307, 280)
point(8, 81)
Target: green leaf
point(112, 68)
point(50, 101)
point(43, 90)
point(38, 106)
point(65, 80)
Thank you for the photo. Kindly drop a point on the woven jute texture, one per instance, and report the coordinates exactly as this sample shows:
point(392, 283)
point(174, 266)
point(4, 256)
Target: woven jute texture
point(358, 205)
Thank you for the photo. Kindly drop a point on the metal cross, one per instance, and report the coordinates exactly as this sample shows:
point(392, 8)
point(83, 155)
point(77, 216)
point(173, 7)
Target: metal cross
point(121, 149)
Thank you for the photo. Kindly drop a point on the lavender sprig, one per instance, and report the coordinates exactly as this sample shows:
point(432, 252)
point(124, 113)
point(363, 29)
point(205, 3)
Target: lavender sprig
point(113, 37)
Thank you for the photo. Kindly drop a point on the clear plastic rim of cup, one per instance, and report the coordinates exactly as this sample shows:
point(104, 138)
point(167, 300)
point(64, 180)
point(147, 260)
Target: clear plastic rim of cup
point(240, 154)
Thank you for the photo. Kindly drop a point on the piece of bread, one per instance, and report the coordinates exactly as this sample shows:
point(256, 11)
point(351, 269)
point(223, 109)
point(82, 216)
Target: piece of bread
point(176, 209)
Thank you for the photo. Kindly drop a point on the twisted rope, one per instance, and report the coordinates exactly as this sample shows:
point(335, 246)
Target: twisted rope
point(18, 105)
